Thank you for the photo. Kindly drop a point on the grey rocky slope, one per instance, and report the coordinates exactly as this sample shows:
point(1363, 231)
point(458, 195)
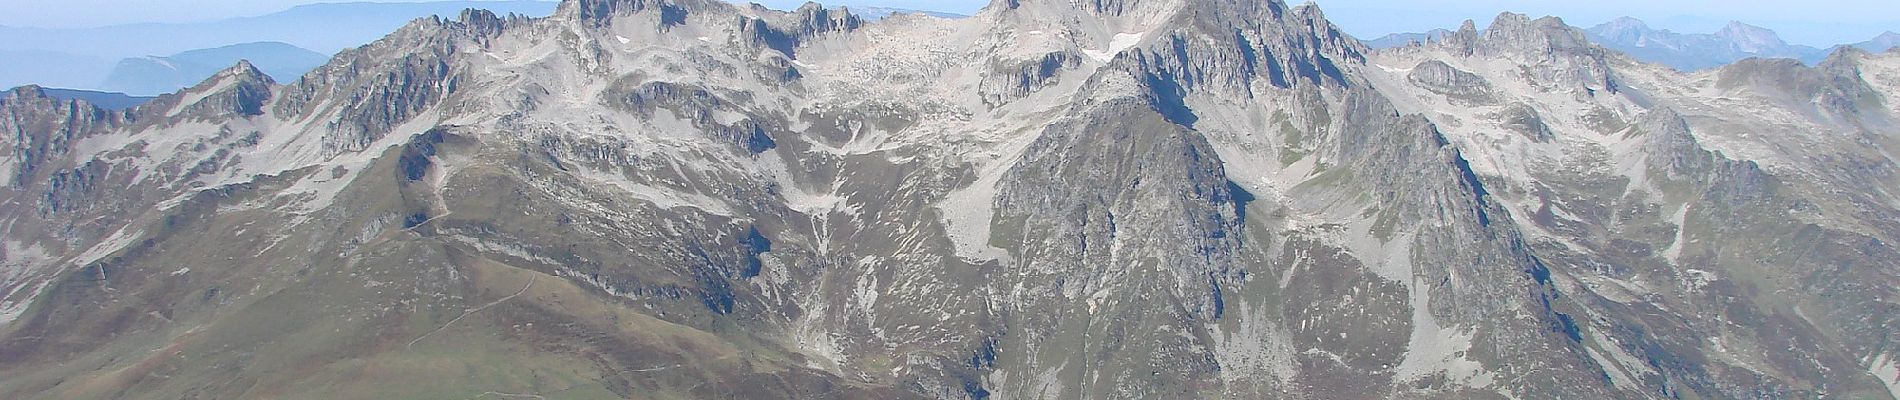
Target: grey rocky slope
point(1122, 199)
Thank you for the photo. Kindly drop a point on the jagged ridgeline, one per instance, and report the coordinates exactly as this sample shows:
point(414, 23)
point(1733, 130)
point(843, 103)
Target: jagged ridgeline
point(1049, 199)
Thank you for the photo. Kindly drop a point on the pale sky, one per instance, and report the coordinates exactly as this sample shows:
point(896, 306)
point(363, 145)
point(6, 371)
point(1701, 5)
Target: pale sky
point(1812, 22)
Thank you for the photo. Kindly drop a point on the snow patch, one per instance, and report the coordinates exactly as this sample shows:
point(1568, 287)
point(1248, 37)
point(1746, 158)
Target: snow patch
point(664, 198)
point(1699, 279)
point(1674, 252)
point(118, 241)
point(20, 265)
point(967, 212)
point(1258, 347)
point(1888, 370)
point(519, 252)
point(11, 308)
point(1618, 378)
point(1434, 348)
point(813, 337)
point(1121, 43)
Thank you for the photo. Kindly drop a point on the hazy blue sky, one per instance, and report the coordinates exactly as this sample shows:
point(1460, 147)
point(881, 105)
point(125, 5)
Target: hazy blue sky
point(1813, 22)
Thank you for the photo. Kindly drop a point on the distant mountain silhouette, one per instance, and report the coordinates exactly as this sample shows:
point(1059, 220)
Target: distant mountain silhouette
point(1401, 39)
point(1684, 51)
point(106, 100)
point(1884, 42)
point(877, 13)
point(156, 75)
point(83, 57)
point(324, 27)
point(1693, 51)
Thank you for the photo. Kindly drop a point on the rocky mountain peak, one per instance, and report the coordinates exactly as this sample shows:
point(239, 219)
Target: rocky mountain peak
point(1844, 57)
point(1524, 33)
point(1673, 150)
point(1465, 37)
point(813, 18)
point(1153, 12)
point(1106, 7)
point(484, 23)
point(241, 90)
point(1513, 33)
point(243, 71)
point(786, 32)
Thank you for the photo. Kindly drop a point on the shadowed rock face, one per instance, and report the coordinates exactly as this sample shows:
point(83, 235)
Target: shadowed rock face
point(1133, 199)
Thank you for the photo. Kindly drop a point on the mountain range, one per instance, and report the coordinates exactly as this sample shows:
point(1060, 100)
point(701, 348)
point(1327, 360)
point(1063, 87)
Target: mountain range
point(1699, 51)
point(159, 75)
point(1047, 199)
point(83, 57)
point(1885, 42)
point(1408, 38)
point(108, 101)
point(1685, 51)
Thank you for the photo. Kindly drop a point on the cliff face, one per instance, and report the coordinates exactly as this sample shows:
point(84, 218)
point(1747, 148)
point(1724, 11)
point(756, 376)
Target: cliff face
point(1049, 199)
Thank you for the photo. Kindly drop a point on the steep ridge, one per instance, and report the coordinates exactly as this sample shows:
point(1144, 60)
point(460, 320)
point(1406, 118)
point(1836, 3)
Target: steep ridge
point(1118, 199)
